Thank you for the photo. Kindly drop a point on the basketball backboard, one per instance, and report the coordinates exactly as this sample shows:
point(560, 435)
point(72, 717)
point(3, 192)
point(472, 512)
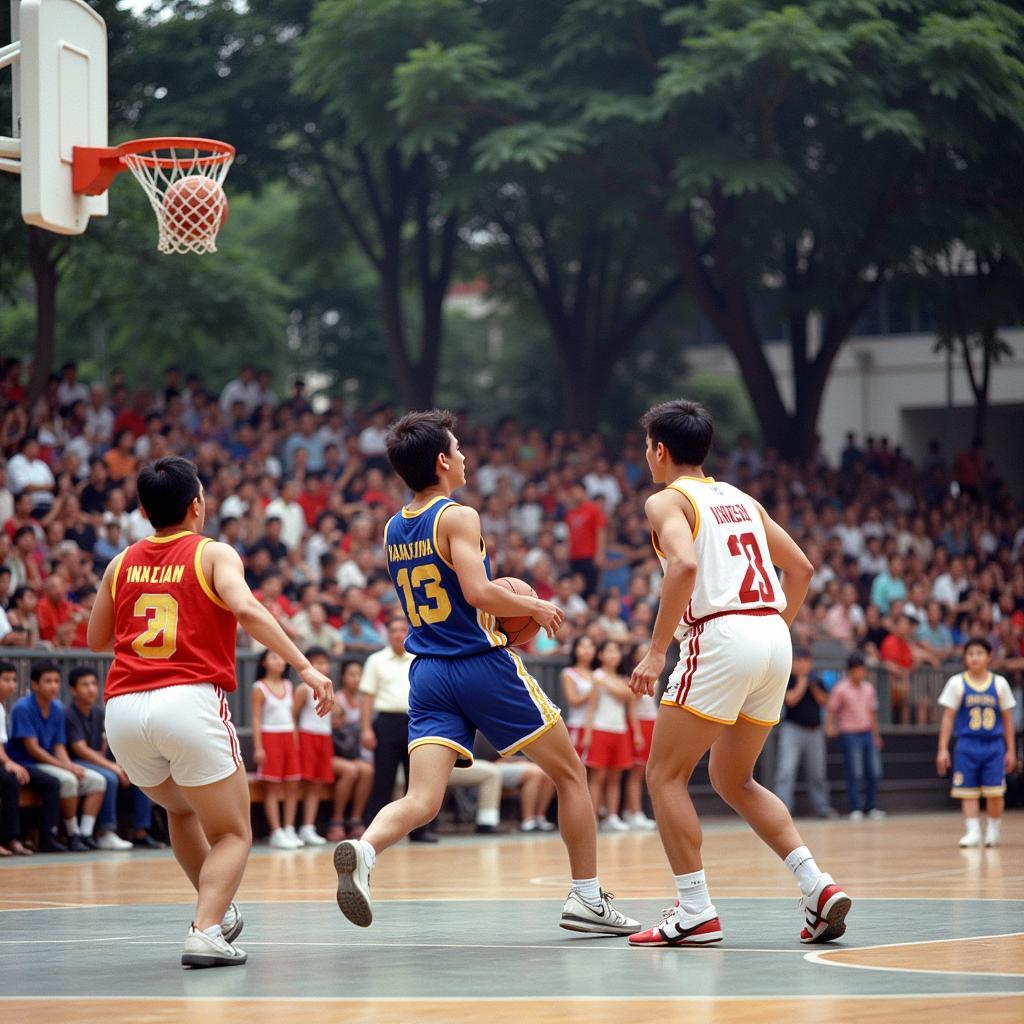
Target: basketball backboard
point(59, 58)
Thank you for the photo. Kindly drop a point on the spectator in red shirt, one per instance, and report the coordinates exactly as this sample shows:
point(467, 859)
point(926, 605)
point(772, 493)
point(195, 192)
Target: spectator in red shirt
point(134, 417)
point(313, 498)
point(969, 468)
point(58, 617)
point(587, 536)
point(898, 655)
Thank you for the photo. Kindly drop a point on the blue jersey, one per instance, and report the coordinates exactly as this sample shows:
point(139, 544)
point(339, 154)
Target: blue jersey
point(442, 622)
point(978, 716)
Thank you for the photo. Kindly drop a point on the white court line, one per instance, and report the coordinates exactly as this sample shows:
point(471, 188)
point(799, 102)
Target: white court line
point(64, 942)
point(821, 957)
point(553, 998)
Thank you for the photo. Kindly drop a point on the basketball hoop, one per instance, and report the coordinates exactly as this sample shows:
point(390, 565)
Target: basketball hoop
point(183, 179)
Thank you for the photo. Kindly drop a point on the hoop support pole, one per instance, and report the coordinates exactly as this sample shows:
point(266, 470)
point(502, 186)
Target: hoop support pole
point(94, 168)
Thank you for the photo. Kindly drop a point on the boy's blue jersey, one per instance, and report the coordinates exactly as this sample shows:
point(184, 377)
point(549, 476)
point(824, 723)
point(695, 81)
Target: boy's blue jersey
point(978, 716)
point(442, 622)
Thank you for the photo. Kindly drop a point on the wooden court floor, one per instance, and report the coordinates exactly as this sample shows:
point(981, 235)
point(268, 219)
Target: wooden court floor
point(467, 931)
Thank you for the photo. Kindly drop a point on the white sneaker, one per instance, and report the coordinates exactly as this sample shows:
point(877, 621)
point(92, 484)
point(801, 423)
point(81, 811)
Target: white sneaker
point(971, 838)
point(875, 814)
point(640, 822)
point(310, 837)
point(856, 815)
point(112, 841)
point(992, 833)
point(293, 837)
point(203, 951)
point(824, 911)
point(279, 840)
point(231, 924)
point(543, 825)
point(354, 899)
point(580, 916)
point(530, 825)
point(613, 823)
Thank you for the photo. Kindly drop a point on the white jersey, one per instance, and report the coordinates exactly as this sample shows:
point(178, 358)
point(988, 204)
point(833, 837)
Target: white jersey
point(309, 720)
point(576, 717)
point(734, 570)
point(277, 711)
point(609, 714)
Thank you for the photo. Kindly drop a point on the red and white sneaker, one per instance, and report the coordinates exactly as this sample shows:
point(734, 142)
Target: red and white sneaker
point(824, 910)
point(672, 931)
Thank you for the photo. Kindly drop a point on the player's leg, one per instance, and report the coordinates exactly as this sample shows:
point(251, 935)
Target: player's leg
point(733, 756)
point(430, 765)
point(993, 786)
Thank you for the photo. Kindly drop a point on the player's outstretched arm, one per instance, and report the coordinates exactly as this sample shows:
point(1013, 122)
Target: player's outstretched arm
point(225, 572)
point(460, 529)
point(796, 568)
point(667, 516)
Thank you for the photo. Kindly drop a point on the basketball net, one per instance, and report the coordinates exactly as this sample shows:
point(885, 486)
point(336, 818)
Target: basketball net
point(189, 218)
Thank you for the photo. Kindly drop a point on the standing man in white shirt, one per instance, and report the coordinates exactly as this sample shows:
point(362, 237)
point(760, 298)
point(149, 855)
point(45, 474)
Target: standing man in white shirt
point(384, 707)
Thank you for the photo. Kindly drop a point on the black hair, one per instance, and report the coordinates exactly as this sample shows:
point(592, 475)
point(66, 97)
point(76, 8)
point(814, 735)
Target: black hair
point(978, 641)
point(166, 489)
point(684, 428)
point(856, 660)
point(345, 666)
point(7, 666)
point(19, 593)
point(623, 668)
point(316, 652)
point(22, 530)
point(414, 443)
point(575, 647)
point(80, 672)
point(40, 668)
point(261, 666)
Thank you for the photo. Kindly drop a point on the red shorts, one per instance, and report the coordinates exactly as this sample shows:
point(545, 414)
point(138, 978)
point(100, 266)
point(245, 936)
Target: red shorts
point(647, 728)
point(315, 752)
point(281, 763)
point(576, 735)
point(610, 750)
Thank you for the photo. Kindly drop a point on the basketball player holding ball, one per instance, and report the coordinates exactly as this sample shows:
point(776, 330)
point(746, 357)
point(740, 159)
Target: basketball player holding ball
point(466, 677)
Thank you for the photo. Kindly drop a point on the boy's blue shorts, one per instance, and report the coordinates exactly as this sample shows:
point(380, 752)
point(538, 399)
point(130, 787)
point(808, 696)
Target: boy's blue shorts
point(978, 768)
point(450, 698)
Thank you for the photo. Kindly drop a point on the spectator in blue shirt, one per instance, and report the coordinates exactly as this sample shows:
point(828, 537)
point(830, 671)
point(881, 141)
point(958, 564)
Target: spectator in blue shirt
point(38, 741)
point(934, 634)
point(888, 585)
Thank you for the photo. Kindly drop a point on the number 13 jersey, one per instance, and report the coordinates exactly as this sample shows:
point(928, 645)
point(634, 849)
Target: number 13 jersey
point(170, 628)
point(734, 569)
point(442, 622)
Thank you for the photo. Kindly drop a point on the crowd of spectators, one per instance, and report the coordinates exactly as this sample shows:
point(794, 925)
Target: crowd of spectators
point(910, 559)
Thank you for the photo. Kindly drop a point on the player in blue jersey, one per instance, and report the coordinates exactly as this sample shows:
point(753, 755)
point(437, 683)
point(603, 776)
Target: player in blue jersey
point(465, 677)
point(976, 709)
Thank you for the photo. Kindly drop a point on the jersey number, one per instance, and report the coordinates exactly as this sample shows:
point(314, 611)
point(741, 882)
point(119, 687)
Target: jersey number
point(982, 718)
point(746, 544)
point(429, 578)
point(161, 613)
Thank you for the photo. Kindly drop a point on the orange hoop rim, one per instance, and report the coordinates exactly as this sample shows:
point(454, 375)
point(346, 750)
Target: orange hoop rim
point(144, 150)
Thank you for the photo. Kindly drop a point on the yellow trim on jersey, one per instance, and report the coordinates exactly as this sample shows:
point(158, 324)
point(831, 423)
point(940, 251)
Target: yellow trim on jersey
point(117, 568)
point(527, 740)
point(699, 714)
point(437, 547)
point(993, 790)
point(440, 741)
point(695, 529)
point(207, 589)
point(386, 525)
point(654, 544)
point(489, 624)
point(976, 687)
point(166, 540)
point(701, 479)
point(541, 701)
point(964, 794)
point(406, 514)
point(757, 721)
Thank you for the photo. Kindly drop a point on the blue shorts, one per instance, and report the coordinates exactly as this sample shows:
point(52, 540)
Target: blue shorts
point(450, 698)
point(978, 768)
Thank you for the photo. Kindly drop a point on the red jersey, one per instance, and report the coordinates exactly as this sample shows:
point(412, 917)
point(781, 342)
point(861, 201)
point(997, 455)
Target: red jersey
point(584, 522)
point(170, 628)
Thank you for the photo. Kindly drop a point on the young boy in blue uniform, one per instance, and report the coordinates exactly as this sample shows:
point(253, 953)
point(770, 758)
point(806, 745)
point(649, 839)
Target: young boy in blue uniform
point(977, 711)
point(465, 677)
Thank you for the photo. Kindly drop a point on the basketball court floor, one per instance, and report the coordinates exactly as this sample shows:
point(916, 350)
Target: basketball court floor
point(467, 931)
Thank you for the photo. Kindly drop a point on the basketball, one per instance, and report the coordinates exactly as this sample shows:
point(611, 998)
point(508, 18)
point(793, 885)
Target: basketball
point(520, 629)
point(192, 206)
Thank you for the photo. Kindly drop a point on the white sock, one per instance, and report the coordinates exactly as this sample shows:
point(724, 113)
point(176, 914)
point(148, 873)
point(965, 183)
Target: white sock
point(214, 931)
point(993, 824)
point(972, 825)
point(589, 890)
point(693, 893)
point(71, 826)
point(369, 852)
point(801, 863)
point(88, 824)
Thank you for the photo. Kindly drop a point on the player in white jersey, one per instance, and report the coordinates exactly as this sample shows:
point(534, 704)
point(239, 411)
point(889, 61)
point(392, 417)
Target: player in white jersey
point(725, 603)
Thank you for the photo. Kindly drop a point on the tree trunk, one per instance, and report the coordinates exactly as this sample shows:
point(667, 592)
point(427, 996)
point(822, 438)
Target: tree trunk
point(394, 335)
point(44, 273)
point(583, 383)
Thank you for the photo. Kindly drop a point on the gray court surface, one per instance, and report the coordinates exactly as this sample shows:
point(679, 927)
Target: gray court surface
point(482, 949)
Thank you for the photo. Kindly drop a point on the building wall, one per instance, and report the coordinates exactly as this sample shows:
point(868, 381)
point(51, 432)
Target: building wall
point(897, 387)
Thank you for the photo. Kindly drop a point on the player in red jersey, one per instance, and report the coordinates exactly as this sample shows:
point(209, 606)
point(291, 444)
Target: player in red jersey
point(168, 607)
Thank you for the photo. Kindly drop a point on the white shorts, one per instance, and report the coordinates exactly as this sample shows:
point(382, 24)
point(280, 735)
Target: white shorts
point(182, 732)
point(733, 666)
